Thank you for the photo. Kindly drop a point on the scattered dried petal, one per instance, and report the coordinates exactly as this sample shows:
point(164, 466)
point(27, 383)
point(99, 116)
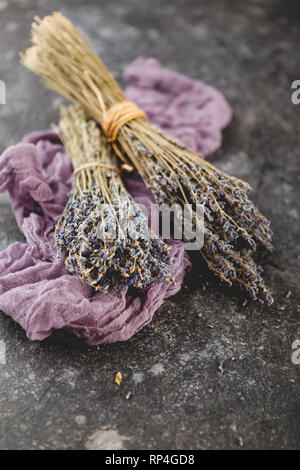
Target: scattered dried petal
point(118, 378)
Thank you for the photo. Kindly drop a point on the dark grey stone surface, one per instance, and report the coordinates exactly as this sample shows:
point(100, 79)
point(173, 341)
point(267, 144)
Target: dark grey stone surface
point(61, 394)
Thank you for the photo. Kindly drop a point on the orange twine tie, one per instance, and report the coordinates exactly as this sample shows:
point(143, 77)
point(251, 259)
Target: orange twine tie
point(114, 118)
point(118, 115)
point(94, 165)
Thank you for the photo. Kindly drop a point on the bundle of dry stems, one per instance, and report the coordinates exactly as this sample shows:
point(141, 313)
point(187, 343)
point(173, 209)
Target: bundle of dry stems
point(234, 227)
point(101, 258)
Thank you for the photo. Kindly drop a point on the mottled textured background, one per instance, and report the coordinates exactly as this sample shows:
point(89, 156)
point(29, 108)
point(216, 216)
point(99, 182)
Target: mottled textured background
point(61, 394)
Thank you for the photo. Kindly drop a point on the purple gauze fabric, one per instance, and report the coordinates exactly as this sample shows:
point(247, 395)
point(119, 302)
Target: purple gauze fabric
point(35, 289)
point(190, 110)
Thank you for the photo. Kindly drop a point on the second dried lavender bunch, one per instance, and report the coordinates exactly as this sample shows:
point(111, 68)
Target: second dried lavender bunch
point(103, 259)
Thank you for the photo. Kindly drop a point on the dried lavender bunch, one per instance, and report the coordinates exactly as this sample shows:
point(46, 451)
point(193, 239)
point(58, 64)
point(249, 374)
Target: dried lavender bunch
point(233, 226)
point(91, 253)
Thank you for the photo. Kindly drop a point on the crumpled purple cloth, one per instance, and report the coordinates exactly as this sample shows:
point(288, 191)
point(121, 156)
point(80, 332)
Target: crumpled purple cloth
point(190, 110)
point(35, 289)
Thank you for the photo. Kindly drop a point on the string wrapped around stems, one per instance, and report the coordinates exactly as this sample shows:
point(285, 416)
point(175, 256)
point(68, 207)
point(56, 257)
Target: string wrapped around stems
point(234, 227)
point(97, 247)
